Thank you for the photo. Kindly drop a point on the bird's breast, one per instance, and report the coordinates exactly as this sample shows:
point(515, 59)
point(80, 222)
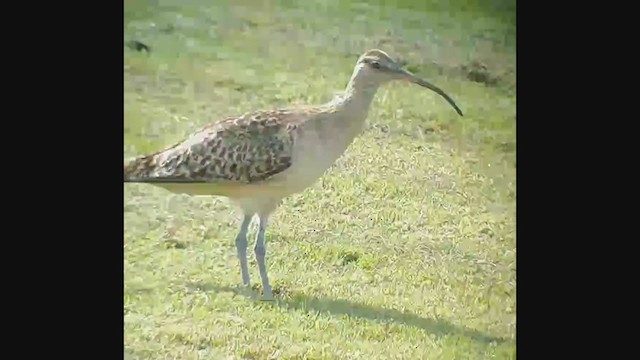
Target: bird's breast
point(315, 150)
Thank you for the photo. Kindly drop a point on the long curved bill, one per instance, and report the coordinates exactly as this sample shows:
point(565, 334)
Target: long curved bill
point(416, 80)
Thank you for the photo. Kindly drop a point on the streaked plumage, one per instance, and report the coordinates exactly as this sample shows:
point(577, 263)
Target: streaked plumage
point(245, 149)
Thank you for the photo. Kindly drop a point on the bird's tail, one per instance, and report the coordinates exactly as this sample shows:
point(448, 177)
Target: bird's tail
point(140, 169)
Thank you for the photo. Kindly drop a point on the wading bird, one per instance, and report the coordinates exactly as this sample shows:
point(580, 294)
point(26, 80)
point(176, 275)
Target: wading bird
point(258, 158)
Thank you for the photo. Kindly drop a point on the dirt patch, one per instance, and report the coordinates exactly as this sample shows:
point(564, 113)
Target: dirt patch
point(507, 147)
point(138, 46)
point(479, 72)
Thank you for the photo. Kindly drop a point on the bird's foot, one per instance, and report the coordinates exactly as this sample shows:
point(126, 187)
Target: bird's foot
point(267, 296)
point(246, 291)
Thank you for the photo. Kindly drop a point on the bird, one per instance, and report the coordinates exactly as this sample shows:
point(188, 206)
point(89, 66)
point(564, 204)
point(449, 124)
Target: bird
point(263, 156)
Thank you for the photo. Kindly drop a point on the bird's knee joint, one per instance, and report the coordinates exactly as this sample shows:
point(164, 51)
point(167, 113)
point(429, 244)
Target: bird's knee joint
point(241, 241)
point(260, 251)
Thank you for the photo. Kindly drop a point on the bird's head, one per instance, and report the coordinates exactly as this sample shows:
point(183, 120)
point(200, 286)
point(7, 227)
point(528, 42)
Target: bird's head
point(377, 66)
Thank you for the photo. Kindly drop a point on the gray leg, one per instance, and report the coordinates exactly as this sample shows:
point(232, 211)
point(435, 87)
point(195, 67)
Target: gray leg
point(241, 246)
point(260, 252)
point(172, 223)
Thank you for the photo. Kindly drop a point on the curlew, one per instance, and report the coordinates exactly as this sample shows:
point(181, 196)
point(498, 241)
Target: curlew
point(259, 158)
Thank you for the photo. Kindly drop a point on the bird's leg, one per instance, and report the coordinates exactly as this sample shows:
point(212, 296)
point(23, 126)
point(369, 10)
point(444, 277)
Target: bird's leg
point(260, 251)
point(172, 223)
point(241, 246)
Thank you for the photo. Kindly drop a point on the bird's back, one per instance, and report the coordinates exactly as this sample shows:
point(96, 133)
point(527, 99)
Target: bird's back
point(237, 154)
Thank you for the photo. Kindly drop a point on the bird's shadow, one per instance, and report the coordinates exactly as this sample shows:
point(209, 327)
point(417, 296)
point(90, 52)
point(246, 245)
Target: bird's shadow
point(344, 307)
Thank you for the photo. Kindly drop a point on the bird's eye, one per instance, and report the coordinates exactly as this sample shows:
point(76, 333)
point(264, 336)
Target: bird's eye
point(375, 64)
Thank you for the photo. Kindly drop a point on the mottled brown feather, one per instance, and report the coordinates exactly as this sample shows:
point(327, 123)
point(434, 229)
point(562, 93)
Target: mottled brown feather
point(246, 149)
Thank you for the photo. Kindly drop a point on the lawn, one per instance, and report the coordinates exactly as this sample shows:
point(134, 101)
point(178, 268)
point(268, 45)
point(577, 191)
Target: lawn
point(405, 249)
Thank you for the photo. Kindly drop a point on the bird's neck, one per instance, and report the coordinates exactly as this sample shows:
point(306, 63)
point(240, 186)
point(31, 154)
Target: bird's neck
point(356, 99)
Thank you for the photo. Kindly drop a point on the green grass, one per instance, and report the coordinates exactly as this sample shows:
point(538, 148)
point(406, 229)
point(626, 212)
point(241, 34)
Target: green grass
point(405, 249)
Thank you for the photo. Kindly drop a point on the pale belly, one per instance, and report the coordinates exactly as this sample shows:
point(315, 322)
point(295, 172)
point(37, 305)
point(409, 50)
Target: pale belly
point(310, 161)
point(237, 191)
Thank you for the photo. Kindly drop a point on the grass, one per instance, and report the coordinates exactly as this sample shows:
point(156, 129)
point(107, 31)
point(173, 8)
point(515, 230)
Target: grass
point(405, 249)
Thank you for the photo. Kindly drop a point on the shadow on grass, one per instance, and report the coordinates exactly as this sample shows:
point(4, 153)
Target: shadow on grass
point(345, 307)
